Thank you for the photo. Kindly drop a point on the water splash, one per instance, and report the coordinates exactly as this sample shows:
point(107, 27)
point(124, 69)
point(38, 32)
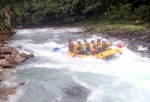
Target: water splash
point(125, 79)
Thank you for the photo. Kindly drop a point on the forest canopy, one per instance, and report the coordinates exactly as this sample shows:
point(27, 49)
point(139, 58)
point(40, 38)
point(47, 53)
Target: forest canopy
point(40, 12)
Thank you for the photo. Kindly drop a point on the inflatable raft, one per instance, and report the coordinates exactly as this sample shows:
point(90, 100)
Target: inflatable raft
point(105, 54)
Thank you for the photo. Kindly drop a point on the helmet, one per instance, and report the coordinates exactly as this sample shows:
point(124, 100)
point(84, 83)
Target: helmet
point(104, 40)
point(79, 40)
point(99, 38)
point(92, 39)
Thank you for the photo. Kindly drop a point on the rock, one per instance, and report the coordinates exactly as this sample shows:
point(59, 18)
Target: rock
point(11, 59)
point(5, 63)
point(91, 30)
point(23, 55)
point(6, 91)
point(1, 77)
point(144, 36)
point(148, 46)
point(138, 22)
point(1, 44)
point(30, 55)
point(9, 50)
point(2, 57)
point(18, 58)
point(21, 84)
point(7, 66)
point(6, 53)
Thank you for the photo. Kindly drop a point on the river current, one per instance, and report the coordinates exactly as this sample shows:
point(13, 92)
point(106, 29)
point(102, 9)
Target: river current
point(55, 77)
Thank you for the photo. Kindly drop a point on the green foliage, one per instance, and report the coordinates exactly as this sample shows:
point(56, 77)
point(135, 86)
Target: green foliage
point(36, 12)
point(143, 13)
point(2, 19)
point(124, 12)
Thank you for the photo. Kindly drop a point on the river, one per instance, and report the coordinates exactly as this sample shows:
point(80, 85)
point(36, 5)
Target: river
point(55, 77)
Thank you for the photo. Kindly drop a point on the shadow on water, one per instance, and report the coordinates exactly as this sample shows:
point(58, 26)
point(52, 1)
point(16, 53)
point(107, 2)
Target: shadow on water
point(111, 57)
point(76, 93)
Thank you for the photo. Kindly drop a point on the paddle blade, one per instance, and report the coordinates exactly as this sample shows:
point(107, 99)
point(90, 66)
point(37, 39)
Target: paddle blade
point(56, 49)
point(119, 45)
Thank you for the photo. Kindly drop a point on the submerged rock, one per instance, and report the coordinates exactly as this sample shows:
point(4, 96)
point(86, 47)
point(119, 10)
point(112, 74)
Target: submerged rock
point(30, 55)
point(76, 93)
point(6, 91)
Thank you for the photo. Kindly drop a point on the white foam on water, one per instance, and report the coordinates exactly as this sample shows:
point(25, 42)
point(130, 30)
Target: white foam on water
point(16, 96)
point(141, 48)
point(128, 67)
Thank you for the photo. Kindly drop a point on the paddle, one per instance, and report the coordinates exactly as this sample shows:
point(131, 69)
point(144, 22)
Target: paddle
point(56, 48)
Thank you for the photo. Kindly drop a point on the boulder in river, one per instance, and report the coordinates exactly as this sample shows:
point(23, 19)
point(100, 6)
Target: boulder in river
point(5, 91)
point(9, 50)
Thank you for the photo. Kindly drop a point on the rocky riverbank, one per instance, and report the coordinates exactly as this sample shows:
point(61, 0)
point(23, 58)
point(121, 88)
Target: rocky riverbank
point(134, 39)
point(9, 57)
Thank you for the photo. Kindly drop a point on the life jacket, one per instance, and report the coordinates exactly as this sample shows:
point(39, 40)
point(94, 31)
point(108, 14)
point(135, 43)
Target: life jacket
point(107, 44)
point(94, 45)
point(86, 46)
point(78, 47)
point(91, 48)
point(103, 46)
point(70, 45)
point(98, 44)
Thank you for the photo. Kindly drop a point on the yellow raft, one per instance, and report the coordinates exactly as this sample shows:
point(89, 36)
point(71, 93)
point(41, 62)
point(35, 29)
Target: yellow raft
point(101, 55)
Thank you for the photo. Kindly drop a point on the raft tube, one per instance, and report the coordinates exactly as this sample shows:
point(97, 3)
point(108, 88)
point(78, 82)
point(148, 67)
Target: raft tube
point(101, 55)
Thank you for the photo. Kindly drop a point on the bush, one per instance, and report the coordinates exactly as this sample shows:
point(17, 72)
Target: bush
point(119, 13)
point(143, 13)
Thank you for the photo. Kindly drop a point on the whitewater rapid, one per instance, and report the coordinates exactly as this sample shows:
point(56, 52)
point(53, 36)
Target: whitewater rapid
point(55, 77)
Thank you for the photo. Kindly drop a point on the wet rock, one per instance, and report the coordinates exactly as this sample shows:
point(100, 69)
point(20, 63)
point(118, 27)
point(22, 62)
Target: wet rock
point(23, 55)
point(1, 45)
point(132, 47)
point(9, 50)
point(18, 58)
point(148, 46)
point(5, 63)
point(30, 55)
point(6, 53)
point(5, 91)
point(91, 30)
point(2, 57)
point(10, 56)
point(27, 56)
point(2, 76)
point(11, 59)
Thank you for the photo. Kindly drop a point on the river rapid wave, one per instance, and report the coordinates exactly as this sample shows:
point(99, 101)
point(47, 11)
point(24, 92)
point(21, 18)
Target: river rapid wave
point(55, 77)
